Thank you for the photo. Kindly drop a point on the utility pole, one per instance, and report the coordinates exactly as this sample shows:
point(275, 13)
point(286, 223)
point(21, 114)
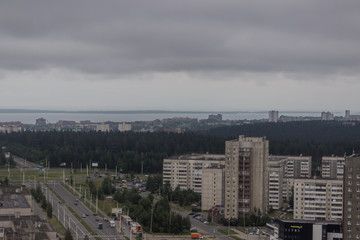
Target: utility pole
point(96, 203)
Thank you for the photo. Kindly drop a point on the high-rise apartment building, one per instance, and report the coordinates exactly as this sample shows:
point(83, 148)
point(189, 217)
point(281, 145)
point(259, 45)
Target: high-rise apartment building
point(318, 199)
point(246, 176)
point(276, 174)
point(186, 171)
point(273, 116)
point(333, 167)
point(351, 214)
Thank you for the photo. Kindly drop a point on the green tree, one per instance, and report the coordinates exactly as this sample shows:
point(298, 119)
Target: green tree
point(68, 235)
point(49, 210)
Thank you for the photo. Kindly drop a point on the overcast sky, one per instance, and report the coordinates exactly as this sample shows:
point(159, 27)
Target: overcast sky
point(180, 55)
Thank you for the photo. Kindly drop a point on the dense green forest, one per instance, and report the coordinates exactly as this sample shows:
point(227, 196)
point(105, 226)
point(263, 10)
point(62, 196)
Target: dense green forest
point(124, 150)
point(128, 150)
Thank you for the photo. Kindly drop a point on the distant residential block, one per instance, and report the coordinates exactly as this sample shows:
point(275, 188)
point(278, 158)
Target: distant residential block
point(40, 122)
point(103, 127)
point(273, 116)
point(124, 127)
point(216, 117)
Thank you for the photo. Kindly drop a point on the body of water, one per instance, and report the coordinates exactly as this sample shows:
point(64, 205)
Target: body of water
point(29, 118)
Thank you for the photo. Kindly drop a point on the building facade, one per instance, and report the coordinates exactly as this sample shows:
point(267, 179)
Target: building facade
point(351, 220)
point(212, 192)
point(332, 167)
point(318, 199)
point(246, 176)
point(276, 174)
point(186, 171)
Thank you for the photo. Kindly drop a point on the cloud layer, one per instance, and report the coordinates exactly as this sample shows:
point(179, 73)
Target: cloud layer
point(251, 41)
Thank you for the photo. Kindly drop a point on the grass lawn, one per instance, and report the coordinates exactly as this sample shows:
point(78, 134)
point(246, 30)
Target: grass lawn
point(225, 231)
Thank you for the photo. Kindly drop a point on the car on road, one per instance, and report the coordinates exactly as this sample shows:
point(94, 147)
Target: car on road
point(87, 214)
point(60, 202)
point(75, 203)
point(97, 219)
point(193, 229)
point(106, 219)
point(84, 216)
point(94, 214)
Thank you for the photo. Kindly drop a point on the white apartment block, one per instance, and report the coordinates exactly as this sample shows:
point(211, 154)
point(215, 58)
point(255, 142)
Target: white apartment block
point(212, 193)
point(318, 199)
point(246, 176)
point(333, 167)
point(187, 171)
point(124, 127)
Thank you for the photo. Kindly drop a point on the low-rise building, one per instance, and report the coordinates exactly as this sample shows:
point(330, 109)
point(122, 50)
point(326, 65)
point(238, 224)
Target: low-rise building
point(288, 229)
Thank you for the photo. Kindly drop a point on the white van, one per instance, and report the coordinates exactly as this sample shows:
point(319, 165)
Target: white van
point(112, 224)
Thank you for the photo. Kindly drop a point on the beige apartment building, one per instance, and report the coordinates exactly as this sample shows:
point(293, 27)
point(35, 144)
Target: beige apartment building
point(282, 172)
point(298, 166)
point(186, 171)
point(276, 175)
point(332, 167)
point(318, 199)
point(124, 127)
point(246, 176)
point(212, 192)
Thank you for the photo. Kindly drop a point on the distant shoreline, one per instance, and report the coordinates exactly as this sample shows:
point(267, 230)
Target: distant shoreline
point(137, 111)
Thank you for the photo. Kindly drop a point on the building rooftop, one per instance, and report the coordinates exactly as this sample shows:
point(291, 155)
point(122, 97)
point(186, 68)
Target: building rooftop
point(26, 227)
point(208, 157)
point(13, 197)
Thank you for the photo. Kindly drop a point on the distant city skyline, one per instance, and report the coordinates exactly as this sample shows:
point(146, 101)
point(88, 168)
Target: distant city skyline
point(205, 55)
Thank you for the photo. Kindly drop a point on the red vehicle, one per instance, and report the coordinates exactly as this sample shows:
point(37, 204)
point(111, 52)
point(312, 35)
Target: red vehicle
point(196, 236)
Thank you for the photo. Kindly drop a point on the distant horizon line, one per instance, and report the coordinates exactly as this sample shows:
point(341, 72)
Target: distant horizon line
point(23, 110)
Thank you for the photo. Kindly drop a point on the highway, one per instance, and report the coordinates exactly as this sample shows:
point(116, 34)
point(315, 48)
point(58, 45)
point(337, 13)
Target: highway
point(93, 221)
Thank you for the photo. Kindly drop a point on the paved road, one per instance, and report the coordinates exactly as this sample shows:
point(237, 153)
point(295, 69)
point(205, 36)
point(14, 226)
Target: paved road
point(93, 221)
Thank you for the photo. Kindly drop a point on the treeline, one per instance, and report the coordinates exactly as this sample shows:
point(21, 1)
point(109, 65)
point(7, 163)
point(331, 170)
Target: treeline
point(307, 131)
point(124, 150)
point(312, 138)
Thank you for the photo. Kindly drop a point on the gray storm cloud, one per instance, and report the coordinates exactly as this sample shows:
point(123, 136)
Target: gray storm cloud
point(130, 37)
